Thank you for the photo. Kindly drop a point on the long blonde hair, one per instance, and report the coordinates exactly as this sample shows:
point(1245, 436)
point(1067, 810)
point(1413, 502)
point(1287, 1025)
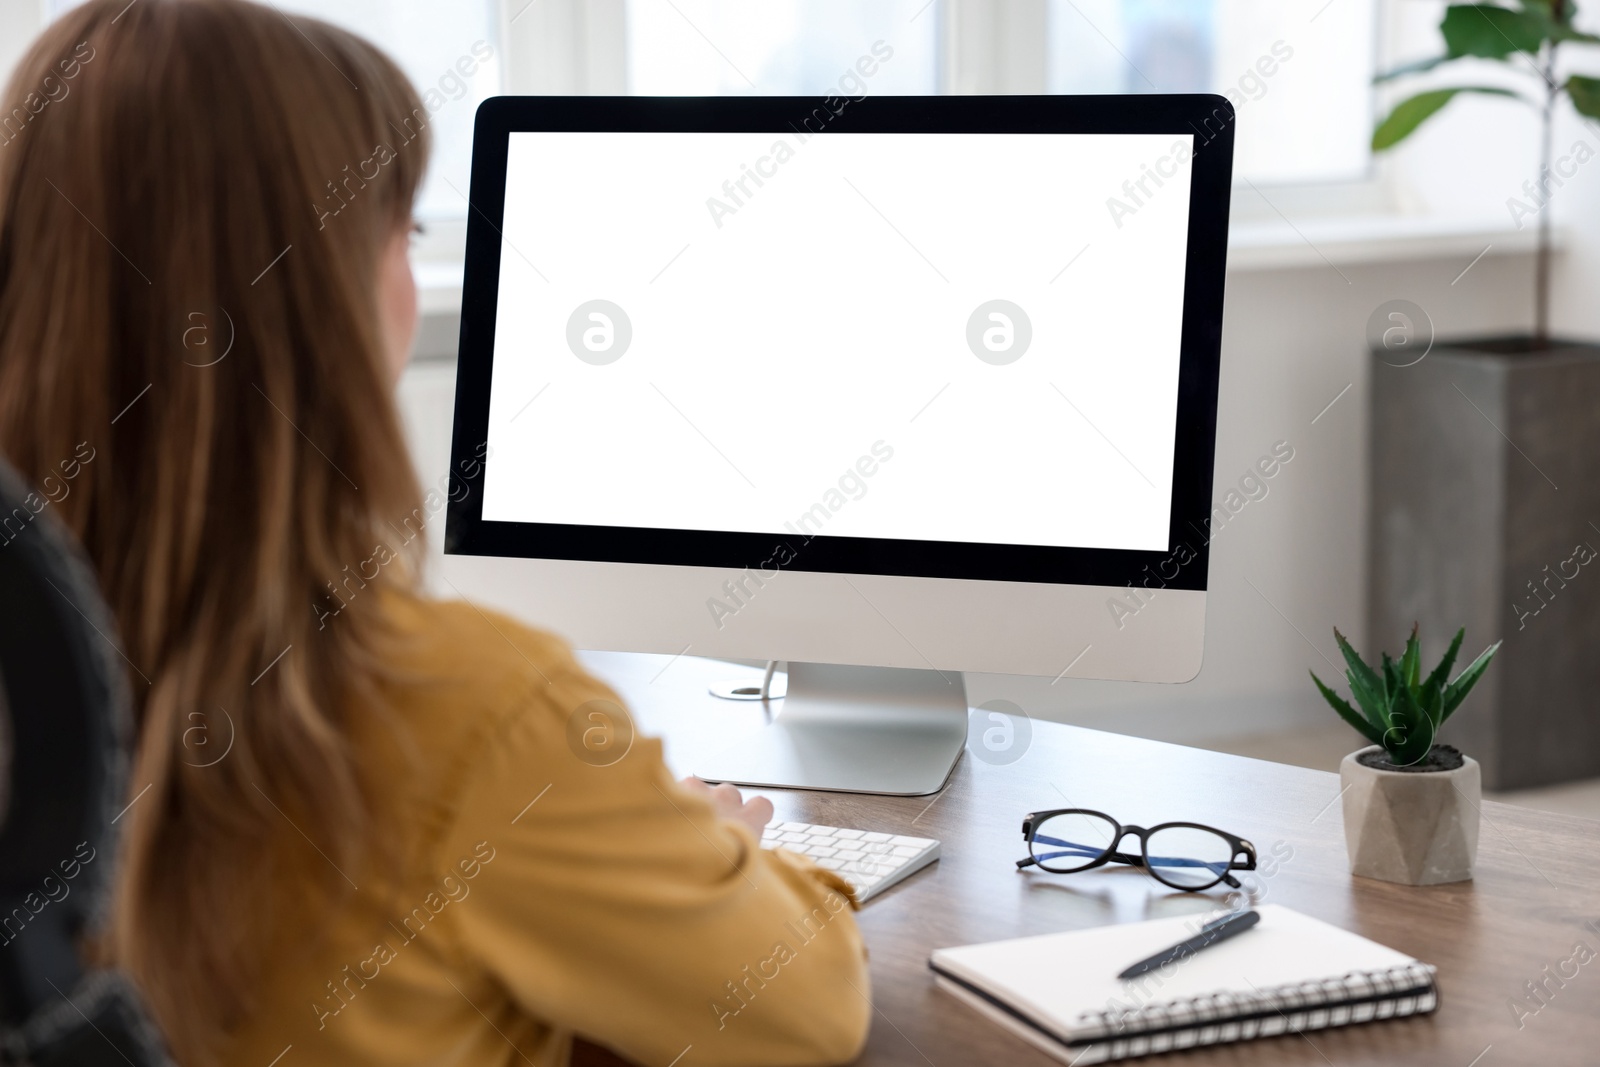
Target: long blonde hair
point(194, 200)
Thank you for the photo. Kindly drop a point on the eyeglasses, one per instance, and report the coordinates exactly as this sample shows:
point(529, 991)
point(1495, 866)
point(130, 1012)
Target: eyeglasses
point(1183, 855)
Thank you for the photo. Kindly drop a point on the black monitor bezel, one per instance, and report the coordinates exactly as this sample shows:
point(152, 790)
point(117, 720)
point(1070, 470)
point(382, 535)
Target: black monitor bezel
point(1183, 565)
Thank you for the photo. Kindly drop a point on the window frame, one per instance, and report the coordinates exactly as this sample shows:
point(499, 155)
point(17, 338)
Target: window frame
point(579, 47)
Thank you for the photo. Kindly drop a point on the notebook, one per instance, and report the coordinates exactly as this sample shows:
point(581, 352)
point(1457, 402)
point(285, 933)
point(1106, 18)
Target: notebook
point(1290, 973)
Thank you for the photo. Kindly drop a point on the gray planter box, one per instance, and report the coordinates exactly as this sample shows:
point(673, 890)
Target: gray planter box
point(1485, 494)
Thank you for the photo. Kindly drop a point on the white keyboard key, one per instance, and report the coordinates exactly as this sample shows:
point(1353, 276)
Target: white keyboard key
point(869, 860)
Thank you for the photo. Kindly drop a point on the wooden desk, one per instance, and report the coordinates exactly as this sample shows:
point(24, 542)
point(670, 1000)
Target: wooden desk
point(1537, 883)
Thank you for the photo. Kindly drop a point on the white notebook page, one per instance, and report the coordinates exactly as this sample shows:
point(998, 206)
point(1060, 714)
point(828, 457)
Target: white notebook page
point(1056, 978)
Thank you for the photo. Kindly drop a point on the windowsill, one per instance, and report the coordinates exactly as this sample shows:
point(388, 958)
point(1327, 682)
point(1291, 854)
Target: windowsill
point(1352, 240)
point(1256, 244)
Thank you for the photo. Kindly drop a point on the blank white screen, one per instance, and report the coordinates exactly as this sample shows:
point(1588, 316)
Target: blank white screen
point(776, 344)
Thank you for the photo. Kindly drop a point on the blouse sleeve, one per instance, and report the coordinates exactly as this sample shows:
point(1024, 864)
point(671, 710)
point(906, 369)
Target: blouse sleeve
point(612, 902)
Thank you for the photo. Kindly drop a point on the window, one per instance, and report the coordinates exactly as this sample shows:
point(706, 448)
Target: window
point(781, 47)
point(1299, 74)
point(1298, 71)
point(436, 44)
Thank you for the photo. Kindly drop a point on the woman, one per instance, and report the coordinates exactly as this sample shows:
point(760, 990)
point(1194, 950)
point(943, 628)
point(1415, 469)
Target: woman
point(357, 831)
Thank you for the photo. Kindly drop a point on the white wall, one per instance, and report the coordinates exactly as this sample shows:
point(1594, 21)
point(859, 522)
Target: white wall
point(1293, 339)
point(1289, 567)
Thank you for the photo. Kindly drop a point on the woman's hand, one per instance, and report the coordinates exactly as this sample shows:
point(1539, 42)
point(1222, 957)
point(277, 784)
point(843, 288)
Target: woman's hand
point(754, 813)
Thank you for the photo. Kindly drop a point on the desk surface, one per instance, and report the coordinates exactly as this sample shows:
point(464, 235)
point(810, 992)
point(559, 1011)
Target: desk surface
point(1537, 883)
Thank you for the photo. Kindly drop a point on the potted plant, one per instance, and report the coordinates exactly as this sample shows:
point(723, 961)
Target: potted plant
point(1410, 804)
point(1470, 445)
point(1526, 39)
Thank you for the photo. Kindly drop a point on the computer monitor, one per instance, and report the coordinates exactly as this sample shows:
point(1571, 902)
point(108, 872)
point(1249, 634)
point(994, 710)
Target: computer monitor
point(886, 388)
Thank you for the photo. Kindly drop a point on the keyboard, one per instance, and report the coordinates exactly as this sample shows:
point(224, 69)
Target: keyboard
point(871, 862)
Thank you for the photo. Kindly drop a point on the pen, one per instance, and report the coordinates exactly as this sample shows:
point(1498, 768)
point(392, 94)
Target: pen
point(1212, 932)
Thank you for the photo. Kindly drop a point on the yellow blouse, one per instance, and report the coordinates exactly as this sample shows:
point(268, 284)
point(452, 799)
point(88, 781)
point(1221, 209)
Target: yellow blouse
point(546, 892)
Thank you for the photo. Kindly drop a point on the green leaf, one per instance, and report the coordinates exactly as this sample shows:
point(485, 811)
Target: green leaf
point(1393, 687)
point(1457, 690)
point(1413, 112)
point(1411, 662)
point(1347, 713)
point(1442, 671)
point(1420, 66)
point(1432, 701)
point(1433, 689)
point(1492, 32)
point(1558, 30)
point(1392, 682)
point(1365, 685)
point(1585, 94)
point(1410, 733)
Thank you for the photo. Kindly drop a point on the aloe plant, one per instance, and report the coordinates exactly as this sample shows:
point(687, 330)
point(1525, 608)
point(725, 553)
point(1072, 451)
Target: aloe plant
point(1526, 36)
point(1400, 710)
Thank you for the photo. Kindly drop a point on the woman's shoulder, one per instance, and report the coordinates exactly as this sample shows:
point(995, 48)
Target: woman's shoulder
point(459, 673)
point(466, 689)
point(460, 637)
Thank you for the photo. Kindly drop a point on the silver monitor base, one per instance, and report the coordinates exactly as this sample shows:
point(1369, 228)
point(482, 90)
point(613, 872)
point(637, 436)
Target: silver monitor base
point(883, 730)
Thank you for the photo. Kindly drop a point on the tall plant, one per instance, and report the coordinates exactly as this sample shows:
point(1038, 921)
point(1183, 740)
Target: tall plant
point(1526, 38)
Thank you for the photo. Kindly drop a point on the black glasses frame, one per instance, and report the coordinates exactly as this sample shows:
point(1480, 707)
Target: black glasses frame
point(1033, 820)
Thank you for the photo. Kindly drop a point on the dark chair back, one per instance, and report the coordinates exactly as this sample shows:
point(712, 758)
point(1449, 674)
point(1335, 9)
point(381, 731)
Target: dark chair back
point(65, 732)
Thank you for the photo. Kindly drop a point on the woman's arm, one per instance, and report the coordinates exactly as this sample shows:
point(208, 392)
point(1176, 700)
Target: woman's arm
point(621, 906)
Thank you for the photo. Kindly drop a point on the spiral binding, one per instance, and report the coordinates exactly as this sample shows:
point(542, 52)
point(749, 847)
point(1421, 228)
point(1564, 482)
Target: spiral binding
point(1358, 996)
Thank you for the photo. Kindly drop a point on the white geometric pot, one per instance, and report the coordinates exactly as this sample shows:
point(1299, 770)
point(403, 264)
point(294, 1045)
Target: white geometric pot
point(1411, 827)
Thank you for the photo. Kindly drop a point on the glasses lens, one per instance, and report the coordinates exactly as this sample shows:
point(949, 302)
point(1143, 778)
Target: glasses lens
point(1186, 857)
point(1072, 841)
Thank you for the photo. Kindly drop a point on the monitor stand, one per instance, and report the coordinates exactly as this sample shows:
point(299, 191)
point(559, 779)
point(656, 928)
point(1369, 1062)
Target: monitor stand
point(847, 729)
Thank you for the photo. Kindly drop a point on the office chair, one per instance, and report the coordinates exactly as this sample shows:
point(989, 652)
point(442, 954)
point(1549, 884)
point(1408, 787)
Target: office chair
point(65, 728)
